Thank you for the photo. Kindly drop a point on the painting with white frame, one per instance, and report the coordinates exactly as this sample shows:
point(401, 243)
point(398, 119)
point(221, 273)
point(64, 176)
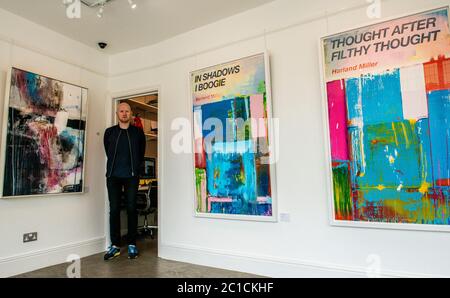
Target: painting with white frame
point(233, 158)
point(386, 98)
point(44, 136)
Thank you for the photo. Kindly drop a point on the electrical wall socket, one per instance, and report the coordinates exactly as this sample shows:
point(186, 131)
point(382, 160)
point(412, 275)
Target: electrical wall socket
point(285, 217)
point(28, 237)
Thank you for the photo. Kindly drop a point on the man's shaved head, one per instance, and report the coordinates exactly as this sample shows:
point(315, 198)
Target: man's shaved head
point(123, 104)
point(124, 113)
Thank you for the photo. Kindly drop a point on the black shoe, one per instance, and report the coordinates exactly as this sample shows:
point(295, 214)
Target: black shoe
point(113, 252)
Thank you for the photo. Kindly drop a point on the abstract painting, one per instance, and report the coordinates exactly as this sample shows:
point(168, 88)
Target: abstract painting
point(232, 143)
point(44, 144)
point(389, 122)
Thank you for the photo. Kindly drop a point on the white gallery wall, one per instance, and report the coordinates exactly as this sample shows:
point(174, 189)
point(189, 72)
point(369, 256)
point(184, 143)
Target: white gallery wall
point(305, 245)
point(73, 224)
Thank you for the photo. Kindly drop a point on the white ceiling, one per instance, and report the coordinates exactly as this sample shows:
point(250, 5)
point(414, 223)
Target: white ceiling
point(125, 29)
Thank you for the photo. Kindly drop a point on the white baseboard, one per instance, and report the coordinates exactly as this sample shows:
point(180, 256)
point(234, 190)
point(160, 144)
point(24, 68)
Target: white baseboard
point(253, 264)
point(269, 266)
point(27, 262)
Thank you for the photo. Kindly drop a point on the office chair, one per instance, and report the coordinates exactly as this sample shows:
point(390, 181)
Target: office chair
point(147, 204)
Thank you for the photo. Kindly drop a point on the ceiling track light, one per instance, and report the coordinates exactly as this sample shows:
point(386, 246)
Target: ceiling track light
point(93, 3)
point(132, 4)
point(101, 4)
point(101, 10)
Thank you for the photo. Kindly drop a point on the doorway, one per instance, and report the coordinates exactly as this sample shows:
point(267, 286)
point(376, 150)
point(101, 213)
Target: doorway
point(145, 113)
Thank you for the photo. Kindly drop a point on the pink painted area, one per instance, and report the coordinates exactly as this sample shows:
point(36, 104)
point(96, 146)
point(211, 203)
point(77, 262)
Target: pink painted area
point(337, 112)
point(258, 116)
point(47, 138)
point(218, 200)
point(414, 95)
point(200, 156)
point(262, 199)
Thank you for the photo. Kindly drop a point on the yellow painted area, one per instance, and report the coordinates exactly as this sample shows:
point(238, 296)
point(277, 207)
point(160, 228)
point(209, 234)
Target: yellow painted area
point(242, 178)
point(423, 169)
point(391, 159)
point(428, 211)
point(380, 187)
point(338, 195)
point(383, 187)
point(406, 135)
point(424, 187)
point(401, 210)
point(397, 205)
point(395, 133)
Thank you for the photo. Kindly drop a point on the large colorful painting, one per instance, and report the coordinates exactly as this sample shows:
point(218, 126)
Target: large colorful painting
point(44, 139)
point(232, 143)
point(388, 97)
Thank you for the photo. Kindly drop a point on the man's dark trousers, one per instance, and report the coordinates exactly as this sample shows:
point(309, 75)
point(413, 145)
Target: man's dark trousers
point(130, 188)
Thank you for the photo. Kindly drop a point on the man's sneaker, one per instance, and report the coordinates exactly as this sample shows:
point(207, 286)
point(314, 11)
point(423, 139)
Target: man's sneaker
point(132, 252)
point(112, 253)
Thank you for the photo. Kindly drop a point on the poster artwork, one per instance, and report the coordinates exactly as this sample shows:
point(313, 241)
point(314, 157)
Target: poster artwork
point(388, 98)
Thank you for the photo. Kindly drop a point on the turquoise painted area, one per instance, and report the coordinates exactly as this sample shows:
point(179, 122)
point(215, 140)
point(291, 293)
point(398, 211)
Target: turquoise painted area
point(73, 139)
point(356, 157)
point(231, 171)
point(237, 207)
point(439, 116)
point(414, 199)
point(441, 13)
point(353, 91)
point(384, 147)
point(399, 167)
point(391, 153)
point(32, 86)
point(377, 98)
point(423, 133)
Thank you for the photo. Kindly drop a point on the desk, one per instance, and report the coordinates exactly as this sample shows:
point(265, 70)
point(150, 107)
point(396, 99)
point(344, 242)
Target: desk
point(143, 188)
point(146, 182)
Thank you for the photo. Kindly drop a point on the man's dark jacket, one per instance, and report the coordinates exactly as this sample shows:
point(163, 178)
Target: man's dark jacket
point(137, 143)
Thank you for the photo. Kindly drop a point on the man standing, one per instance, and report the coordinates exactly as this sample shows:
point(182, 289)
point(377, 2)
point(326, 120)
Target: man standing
point(125, 150)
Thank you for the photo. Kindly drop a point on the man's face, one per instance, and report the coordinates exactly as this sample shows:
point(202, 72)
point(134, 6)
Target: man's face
point(124, 113)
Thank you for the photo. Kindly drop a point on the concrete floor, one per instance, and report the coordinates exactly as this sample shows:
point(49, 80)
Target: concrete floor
point(148, 265)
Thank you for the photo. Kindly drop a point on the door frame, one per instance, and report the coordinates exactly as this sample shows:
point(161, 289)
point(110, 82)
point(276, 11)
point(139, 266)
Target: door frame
point(111, 120)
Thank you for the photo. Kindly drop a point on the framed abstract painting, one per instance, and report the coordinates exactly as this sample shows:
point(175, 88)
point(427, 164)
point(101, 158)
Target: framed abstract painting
point(233, 147)
point(387, 98)
point(43, 140)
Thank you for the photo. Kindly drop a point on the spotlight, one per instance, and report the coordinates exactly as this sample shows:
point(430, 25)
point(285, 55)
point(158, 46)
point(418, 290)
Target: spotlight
point(132, 4)
point(100, 11)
